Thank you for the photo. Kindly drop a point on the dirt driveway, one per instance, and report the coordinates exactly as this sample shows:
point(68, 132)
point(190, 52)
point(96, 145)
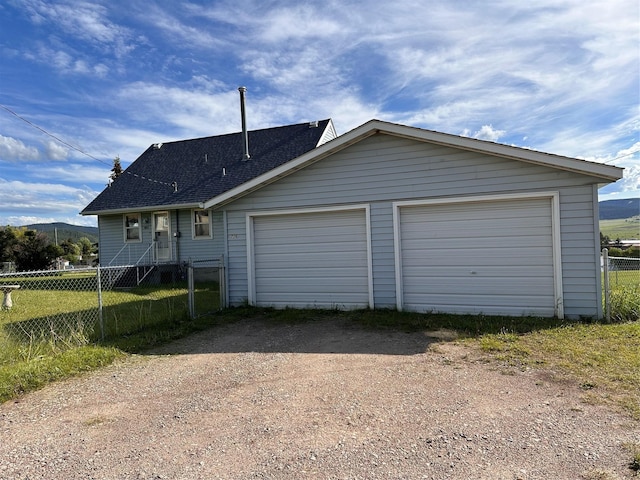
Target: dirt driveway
point(323, 400)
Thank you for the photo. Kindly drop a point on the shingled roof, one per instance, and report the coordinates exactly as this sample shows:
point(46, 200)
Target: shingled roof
point(187, 173)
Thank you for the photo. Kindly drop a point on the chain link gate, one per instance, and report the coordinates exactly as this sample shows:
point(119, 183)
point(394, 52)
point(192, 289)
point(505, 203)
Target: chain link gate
point(621, 287)
point(206, 286)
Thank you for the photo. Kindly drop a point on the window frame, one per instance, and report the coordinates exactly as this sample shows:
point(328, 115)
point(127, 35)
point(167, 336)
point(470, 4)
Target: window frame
point(195, 224)
point(126, 229)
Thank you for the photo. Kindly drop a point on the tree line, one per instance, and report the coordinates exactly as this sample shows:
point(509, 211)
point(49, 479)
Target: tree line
point(617, 249)
point(32, 250)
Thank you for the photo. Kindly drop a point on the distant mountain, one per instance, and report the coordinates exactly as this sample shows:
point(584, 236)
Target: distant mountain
point(616, 209)
point(65, 231)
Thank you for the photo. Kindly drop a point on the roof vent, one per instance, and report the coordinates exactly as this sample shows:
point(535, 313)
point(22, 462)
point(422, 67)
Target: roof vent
point(157, 146)
point(245, 135)
point(313, 124)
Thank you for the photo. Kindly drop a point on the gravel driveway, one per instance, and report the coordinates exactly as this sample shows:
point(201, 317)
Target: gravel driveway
point(321, 400)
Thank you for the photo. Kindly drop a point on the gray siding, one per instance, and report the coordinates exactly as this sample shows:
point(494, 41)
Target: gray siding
point(201, 249)
point(114, 250)
point(383, 169)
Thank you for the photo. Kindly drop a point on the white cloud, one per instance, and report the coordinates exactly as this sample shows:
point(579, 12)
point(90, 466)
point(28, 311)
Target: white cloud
point(55, 151)
point(70, 173)
point(21, 220)
point(86, 20)
point(22, 200)
point(169, 23)
point(13, 150)
point(64, 62)
point(486, 132)
point(298, 22)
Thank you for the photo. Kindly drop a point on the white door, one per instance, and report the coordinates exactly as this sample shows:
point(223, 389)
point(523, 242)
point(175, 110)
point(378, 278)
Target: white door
point(162, 237)
point(491, 257)
point(310, 260)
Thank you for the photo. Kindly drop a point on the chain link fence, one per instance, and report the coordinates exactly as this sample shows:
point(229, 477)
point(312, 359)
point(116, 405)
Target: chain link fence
point(621, 287)
point(78, 306)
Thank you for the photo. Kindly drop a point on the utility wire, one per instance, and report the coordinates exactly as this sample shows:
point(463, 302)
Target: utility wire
point(73, 147)
point(622, 156)
point(52, 135)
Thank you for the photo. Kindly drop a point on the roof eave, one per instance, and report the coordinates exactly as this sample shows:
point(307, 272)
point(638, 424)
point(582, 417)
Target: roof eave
point(607, 173)
point(585, 167)
point(153, 208)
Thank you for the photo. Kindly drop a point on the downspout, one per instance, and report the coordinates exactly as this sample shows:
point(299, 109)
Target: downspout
point(177, 236)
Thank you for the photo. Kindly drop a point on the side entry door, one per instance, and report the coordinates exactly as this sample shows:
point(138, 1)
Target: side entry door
point(162, 236)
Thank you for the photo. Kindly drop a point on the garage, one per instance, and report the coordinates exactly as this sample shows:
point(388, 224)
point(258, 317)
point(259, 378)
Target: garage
point(485, 255)
point(315, 258)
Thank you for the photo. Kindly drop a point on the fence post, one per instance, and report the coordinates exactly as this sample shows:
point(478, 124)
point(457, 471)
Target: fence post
point(222, 283)
point(191, 291)
point(100, 317)
point(607, 301)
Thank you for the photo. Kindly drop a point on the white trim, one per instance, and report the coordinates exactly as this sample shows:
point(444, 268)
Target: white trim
point(372, 127)
point(585, 167)
point(144, 209)
point(557, 254)
point(597, 252)
point(397, 255)
point(154, 230)
point(554, 196)
point(251, 281)
point(251, 267)
point(193, 225)
point(125, 229)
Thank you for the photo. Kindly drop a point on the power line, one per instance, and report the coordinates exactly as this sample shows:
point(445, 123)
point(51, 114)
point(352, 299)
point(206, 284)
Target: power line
point(622, 156)
point(73, 147)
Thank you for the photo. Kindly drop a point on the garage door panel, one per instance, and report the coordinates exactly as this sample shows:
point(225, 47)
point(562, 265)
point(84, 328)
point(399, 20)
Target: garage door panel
point(435, 258)
point(320, 235)
point(497, 287)
point(317, 259)
point(344, 287)
point(311, 248)
point(468, 273)
point(487, 255)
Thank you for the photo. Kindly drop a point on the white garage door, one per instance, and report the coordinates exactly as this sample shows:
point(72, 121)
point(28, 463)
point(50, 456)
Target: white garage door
point(491, 257)
point(316, 259)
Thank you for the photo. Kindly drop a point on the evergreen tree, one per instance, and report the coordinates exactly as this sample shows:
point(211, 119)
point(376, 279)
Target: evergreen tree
point(116, 171)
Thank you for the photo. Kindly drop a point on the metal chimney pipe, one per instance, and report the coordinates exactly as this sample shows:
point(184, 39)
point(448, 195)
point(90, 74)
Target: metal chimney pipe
point(245, 135)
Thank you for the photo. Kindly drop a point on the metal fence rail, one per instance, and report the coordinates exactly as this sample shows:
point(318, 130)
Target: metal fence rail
point(621, 287)
point(81, 305)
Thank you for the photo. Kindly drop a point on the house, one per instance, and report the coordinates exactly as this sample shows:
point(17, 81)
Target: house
point(384, 216)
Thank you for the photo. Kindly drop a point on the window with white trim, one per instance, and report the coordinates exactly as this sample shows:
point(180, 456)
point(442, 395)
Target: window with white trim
point(132, 227)
point(201, 224)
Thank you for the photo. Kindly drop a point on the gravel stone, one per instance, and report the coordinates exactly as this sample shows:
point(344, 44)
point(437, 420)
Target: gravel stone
point(321, 400)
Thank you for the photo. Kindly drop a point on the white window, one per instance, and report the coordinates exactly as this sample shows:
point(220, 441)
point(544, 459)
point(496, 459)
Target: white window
point(201, 224)
point(132, 227)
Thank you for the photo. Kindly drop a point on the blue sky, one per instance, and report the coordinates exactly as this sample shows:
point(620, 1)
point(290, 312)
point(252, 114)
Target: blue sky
point(111, 77)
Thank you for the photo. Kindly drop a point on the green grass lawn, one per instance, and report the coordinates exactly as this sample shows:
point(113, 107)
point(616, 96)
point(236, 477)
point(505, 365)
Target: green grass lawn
point(603, 359)
point(624, 229)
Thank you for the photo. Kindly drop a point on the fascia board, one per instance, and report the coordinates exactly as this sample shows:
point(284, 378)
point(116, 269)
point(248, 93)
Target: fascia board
point(585, 167)
point(152, 208)
point(604, 172)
